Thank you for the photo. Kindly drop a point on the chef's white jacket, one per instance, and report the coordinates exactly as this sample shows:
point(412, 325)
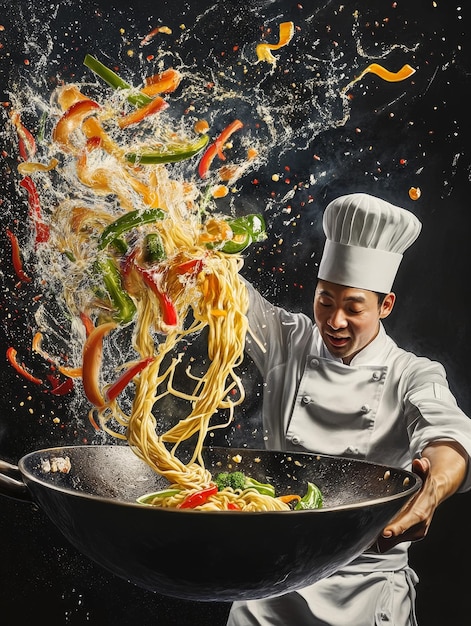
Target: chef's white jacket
point(385, 407)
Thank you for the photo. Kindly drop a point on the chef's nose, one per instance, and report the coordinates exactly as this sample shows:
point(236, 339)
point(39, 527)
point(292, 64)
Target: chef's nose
point(337, 319)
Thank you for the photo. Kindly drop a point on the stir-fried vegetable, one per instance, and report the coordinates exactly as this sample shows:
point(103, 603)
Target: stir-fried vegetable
point(148, 498)
point(198, 498)
point(238, 480)
point(313, 498)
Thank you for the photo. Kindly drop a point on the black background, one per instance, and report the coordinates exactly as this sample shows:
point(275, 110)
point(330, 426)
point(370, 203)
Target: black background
point(395, 136)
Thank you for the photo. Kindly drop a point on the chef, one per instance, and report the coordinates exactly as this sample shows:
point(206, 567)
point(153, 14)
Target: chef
point(343, 387)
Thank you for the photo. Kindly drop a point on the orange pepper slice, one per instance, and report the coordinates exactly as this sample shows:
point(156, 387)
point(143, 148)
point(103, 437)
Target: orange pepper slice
point(405, 72)
point(91, 363)
point(165, 82)
point(263, 50)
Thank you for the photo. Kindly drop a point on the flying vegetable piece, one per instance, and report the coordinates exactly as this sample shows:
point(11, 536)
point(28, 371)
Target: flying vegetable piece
point(238, 480)
point(126, 222)
point(313, 498)
point(168, 153)
point(216, 147)
point(153, 248)
point(123, 304)
point(91, 363)
point(164, 82)
point(126, 377)
point(19, 367)
point(16, 257)
point(246, 230)
point(263, 50)
point(138, 99)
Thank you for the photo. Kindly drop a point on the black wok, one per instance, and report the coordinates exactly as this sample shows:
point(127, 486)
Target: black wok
point(212, 556)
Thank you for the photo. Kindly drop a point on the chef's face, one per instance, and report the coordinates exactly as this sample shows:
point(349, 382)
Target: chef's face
point(348, 318)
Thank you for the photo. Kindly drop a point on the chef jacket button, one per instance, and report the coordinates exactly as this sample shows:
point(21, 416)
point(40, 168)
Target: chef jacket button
point(314, 363)
point(376, 375)
point(365, 408)
point(306, 399)
point(295, 439)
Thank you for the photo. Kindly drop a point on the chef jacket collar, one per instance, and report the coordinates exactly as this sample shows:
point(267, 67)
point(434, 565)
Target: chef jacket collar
point(369, 355)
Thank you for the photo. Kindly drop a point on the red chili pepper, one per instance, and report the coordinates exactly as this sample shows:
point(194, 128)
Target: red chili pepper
point(169, 312)
point(42, 229)
point(198, 498)
point(11, 356)
point(216, 147)
point(16, 257)
point(126, 377)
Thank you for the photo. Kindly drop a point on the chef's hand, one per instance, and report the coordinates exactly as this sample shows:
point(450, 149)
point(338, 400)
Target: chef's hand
point(442, 468)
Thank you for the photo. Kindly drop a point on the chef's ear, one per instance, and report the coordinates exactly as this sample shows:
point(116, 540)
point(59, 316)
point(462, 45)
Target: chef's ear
point(387, 305)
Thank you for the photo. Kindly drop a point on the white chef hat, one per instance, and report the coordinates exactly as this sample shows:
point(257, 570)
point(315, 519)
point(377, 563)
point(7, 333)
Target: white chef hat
point(366, 238)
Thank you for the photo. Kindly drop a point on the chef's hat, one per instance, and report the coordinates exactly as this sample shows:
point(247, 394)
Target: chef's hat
point(366, 237)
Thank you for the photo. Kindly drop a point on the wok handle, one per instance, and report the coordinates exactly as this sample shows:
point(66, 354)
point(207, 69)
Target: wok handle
point(11, 483)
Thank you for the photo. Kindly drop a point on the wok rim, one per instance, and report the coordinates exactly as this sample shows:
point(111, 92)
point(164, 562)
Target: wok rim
point(116, 501)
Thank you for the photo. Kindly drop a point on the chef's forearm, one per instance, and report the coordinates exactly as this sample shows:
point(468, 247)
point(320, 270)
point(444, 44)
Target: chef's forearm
point(449, 465)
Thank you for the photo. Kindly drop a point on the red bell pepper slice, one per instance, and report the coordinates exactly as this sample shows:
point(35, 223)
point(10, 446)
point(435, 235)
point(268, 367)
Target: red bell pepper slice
point(42, 229)
point(193, 267)
point(120, 383)
point(12, 359)
point(216, 147)
point(16, 257)
point(169, 312)
point(58, 388)
point(198, 498)
point(233, 506)
point(26, 141)
point(91, 363)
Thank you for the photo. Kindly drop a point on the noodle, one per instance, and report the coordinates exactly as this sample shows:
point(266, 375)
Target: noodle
point(195, 286)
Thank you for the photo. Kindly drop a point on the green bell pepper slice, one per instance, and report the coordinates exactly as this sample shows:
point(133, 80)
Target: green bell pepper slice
point(123, 304)
point(164, 493)
point(169, 153)
point(246, 229)
point(138, 99)
point(126, 222)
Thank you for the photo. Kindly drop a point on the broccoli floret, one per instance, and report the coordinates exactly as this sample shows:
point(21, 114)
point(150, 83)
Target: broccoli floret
point(238, 480)
point(222, 480)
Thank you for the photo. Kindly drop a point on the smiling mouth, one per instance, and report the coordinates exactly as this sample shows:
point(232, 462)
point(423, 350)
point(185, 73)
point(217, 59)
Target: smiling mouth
point(338, 341)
